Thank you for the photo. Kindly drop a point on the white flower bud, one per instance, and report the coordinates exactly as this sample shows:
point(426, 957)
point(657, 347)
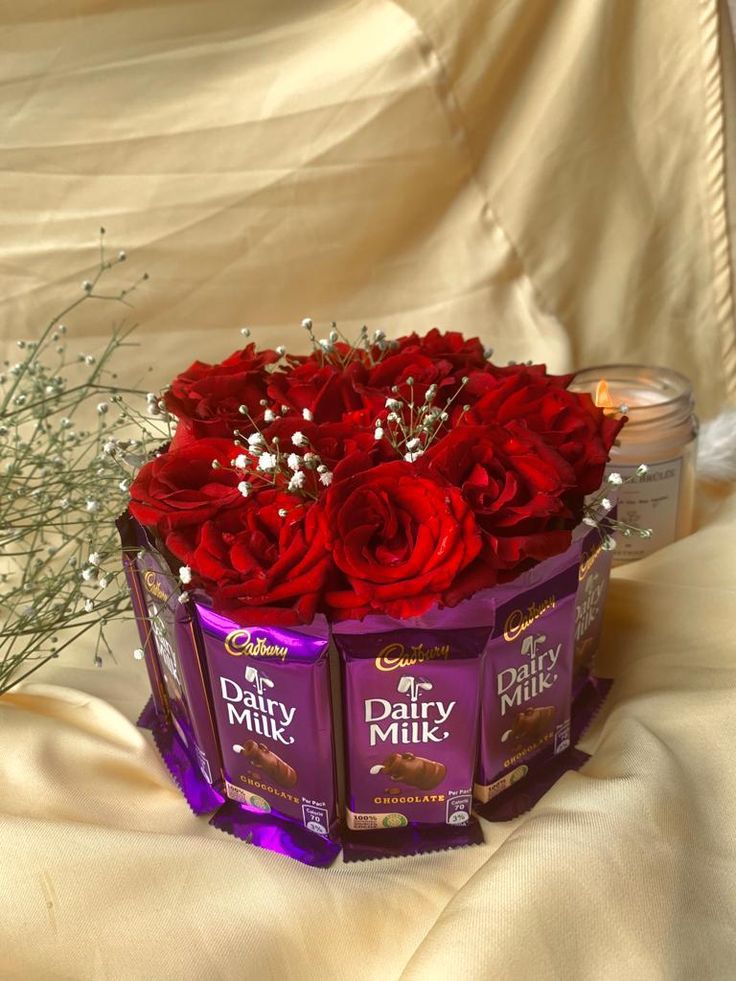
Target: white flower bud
point(297, 481)
point(298, 439)
point(307, 323)
point(615, 478)
point(307, 415)
point(269, 415)
point(139, 654)
point(185, 574)
point(641, 470)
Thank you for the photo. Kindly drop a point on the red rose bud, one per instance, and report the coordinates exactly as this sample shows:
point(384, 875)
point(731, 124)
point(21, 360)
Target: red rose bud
point(398, 539)
point(206, 398)
point(522, 492)
point(180, 488)
point(265, 563)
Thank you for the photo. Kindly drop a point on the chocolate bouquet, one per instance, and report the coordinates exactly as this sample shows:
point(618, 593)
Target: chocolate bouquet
point(369, 584)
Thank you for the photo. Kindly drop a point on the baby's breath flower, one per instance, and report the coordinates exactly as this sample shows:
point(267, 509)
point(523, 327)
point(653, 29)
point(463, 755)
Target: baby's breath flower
point(256, 439)
point(269, 415)
point(298, 439)
point(591, 522)
point(102, 408)
point(91, 506)
point(325, 478)
point(89, 606)
point(183, 596)
point(283, 512)
point(641, 470)
point(307, 415)
point(297, 481)
point(185, 574)
point(241, 461)
point(281, 350)
point(139, 653)
point(606, 504)
point(266, 462)
point(244, 488)
point(307, 323)
point(293, 461)
point(378, 433)
point(615, 478)
point(94, 559)
point(412, 457)
point(393, 404)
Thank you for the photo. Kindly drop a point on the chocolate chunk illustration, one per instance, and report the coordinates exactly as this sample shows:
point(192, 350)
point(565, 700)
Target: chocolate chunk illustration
point(532, 723)
point(413, 770)
point(262, 758)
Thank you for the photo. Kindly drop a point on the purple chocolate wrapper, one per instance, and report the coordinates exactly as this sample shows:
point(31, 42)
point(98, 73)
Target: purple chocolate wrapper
point(411, 694)
point(271, 696)
point(594, 575)
point(183, 729)
point(527, 678)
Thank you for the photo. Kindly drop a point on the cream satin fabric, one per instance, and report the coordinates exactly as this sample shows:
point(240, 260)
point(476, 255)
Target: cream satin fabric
point(549, 173)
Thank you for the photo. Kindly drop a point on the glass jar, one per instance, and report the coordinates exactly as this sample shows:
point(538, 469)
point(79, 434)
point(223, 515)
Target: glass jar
point(661, 432)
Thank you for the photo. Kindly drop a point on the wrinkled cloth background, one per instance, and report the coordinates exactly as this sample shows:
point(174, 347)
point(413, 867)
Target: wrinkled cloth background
point(551, 174)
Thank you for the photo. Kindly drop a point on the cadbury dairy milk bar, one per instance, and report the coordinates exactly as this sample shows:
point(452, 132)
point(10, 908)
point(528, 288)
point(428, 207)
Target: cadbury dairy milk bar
point(410, 704)
point(527, 677)
point(271, 697)
point(593, 578)
point(179, 714)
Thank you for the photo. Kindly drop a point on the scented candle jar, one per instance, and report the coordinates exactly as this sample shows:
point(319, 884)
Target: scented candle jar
point(661, 432)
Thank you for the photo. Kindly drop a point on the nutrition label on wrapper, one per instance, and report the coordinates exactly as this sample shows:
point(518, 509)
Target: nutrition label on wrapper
point(647, 502)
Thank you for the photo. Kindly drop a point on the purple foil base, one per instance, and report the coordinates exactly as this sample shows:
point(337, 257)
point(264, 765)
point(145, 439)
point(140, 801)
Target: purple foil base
point(359, 846)
point(201, 797)
point(276, 834)
point(522, 796)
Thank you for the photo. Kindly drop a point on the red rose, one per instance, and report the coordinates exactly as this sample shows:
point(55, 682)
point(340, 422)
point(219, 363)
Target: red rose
point(258, 564)
point(206, 397)
point(331, 441)
point(522, 493)
point(399, 540)
point(180, 487)
point(463, 354)
point(326, 389)
point(569, 422)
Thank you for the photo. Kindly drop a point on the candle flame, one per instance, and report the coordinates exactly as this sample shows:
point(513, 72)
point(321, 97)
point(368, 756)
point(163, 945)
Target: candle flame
point(602, 396)
point(604, 400)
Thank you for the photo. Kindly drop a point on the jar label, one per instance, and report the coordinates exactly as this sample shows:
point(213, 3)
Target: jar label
point(650, 501)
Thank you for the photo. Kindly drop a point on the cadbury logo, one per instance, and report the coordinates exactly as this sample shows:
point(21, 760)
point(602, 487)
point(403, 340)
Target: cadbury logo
point(395, 656)
point(239, 644)
point(153, 586)
point(519, 620)
point(588, 561)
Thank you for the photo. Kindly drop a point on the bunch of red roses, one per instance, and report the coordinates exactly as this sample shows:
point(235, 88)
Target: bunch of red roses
point(382, 477)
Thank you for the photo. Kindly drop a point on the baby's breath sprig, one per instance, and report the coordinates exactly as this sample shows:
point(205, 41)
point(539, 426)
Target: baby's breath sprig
point(369, 349)
point(70, 438)
point(599, 505)
point(411, 427)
